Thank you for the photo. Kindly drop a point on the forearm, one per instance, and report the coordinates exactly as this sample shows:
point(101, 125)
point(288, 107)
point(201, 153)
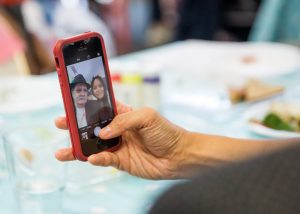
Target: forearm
point(207, 150)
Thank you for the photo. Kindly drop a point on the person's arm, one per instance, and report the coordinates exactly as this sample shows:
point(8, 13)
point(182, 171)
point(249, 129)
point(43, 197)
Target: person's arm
point(266, 184)
point(209, 150)
point(155, 148)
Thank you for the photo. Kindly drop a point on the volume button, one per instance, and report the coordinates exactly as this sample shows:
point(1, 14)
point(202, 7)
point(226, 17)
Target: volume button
point(57, 62)
point(61, 83)
point(60, 78)
point(58, 72)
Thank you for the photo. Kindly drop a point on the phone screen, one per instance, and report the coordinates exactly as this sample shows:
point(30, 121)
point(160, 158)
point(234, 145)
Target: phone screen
point(89, 87)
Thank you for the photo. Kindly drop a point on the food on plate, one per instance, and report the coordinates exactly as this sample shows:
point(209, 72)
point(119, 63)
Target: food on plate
point(253, 90)
point(273, 121)
point(282, 116)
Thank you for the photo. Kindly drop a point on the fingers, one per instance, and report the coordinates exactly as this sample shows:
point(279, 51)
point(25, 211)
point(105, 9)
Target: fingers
point(65, 154)
point(122, 108)
point(105, 159)
point(127, 121)
point(61, 123)
point(100, 159)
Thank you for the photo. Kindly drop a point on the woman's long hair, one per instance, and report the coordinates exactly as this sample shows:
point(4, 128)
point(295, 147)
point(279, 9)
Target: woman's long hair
point(104, 99)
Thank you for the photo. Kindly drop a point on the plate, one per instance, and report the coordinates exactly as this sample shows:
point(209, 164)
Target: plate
point(264, 59)
point(239, 62)
point(28, 94)
point(258, 112)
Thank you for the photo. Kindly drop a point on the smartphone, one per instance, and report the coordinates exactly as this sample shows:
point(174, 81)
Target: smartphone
point(87, 92)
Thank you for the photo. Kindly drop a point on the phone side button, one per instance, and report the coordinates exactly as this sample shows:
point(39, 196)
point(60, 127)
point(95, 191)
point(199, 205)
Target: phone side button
point(59, 74)
point(56, 62)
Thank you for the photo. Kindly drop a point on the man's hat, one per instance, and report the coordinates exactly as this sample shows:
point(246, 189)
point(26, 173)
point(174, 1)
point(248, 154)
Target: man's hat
point(79, 79)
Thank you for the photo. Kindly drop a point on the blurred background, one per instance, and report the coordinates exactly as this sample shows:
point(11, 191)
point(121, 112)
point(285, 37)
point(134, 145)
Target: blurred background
point(224, 67)
point(29, 28)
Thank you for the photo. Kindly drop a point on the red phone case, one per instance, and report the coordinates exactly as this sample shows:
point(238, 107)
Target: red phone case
point(66, 94)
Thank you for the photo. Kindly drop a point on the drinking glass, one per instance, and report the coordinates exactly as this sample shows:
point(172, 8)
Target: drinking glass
point(37, 178)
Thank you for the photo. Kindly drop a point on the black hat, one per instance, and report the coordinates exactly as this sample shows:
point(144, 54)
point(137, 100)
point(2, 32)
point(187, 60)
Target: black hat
point(79, 79)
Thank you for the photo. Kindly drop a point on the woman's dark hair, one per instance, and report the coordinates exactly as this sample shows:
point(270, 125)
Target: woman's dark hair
point(102, 82)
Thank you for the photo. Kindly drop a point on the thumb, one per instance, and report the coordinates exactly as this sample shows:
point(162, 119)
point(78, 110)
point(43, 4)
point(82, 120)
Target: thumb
point(128, 121)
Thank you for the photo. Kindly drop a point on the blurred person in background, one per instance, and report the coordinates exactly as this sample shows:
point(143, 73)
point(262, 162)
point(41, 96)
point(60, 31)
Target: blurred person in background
point(38, 20)
point(115, 14)
point(225, 20)
point(181, 20)
point(72, 17)
point(164, 21)
point(38, 57)
point(278, 21)
point(12, 49)
point(39, 23)
point(198, 19)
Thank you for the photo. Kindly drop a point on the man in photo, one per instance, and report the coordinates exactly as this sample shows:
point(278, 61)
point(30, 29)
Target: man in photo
point(79, 88)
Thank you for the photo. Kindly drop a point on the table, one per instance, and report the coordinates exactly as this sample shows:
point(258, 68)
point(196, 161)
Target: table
point(189, 61)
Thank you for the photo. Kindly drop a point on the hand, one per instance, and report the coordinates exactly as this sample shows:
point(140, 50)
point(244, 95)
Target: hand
point(152, 147)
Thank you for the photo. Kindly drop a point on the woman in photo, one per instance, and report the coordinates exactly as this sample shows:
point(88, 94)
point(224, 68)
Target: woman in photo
point(98, 91)
point(101, 104)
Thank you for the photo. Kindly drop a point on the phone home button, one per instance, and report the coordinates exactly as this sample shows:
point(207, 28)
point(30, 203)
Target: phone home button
point(102, 145)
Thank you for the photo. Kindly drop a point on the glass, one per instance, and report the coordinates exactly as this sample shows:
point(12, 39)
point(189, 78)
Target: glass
point(3, 170)
point(38, 179)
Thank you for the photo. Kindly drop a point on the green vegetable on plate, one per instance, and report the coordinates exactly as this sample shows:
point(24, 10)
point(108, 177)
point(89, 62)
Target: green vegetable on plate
point(273, 121)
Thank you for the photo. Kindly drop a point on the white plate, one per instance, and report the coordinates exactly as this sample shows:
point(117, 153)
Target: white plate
point(269, 59)
point(258, 112)
point(27, 94)
point(222, 63)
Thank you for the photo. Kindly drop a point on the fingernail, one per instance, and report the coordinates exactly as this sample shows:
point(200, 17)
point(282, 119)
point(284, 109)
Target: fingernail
point(91, 157)
point(58, 155)
point(59, 152)
point(106, 131)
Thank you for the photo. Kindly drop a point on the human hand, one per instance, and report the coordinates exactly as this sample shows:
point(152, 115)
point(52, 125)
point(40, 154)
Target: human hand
point(152, 147)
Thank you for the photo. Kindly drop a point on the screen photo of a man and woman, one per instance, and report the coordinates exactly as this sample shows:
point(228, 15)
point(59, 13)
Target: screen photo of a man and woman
point(89, 89)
